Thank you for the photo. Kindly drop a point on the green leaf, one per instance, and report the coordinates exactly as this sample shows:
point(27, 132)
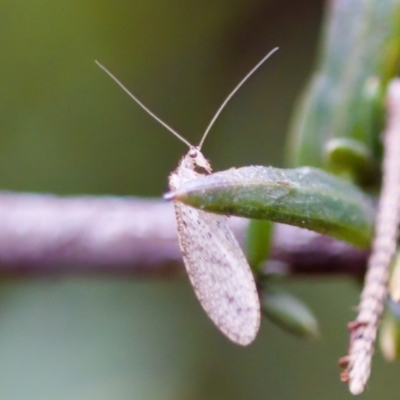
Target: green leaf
point(350, 159)
point(305, 197)
point(290, 314)
point(258, 242)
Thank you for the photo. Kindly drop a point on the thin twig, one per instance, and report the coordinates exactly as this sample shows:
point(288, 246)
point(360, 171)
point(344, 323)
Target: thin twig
point(46, 235)
point(363, 331)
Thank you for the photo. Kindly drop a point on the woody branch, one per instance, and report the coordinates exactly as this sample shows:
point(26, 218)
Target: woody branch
point(46, 235)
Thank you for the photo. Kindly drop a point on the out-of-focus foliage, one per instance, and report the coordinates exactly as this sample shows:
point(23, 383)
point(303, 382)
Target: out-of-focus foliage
point(340, 117)
point(289, 313)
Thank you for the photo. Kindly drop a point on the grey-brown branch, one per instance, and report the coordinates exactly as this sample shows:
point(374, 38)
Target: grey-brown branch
point(363, 331)
point(46, 235)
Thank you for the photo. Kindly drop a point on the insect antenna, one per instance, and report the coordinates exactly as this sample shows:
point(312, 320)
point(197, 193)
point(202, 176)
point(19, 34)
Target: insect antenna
point(142, 105)
point(238, 86)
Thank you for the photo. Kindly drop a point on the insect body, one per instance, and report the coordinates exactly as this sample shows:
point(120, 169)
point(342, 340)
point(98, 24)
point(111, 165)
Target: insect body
point(215, 263)
point(217, 268)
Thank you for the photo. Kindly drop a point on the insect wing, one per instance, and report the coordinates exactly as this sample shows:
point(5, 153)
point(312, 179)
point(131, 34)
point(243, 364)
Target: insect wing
point(219, 273)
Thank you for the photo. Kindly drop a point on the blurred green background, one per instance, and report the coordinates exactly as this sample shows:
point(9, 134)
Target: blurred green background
point(66, 128)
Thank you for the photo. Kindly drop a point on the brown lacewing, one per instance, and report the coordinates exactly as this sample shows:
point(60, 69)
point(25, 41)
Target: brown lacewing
point(217, 268)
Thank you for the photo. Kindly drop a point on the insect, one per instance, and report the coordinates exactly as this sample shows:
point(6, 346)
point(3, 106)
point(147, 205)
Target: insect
point(215, 263)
